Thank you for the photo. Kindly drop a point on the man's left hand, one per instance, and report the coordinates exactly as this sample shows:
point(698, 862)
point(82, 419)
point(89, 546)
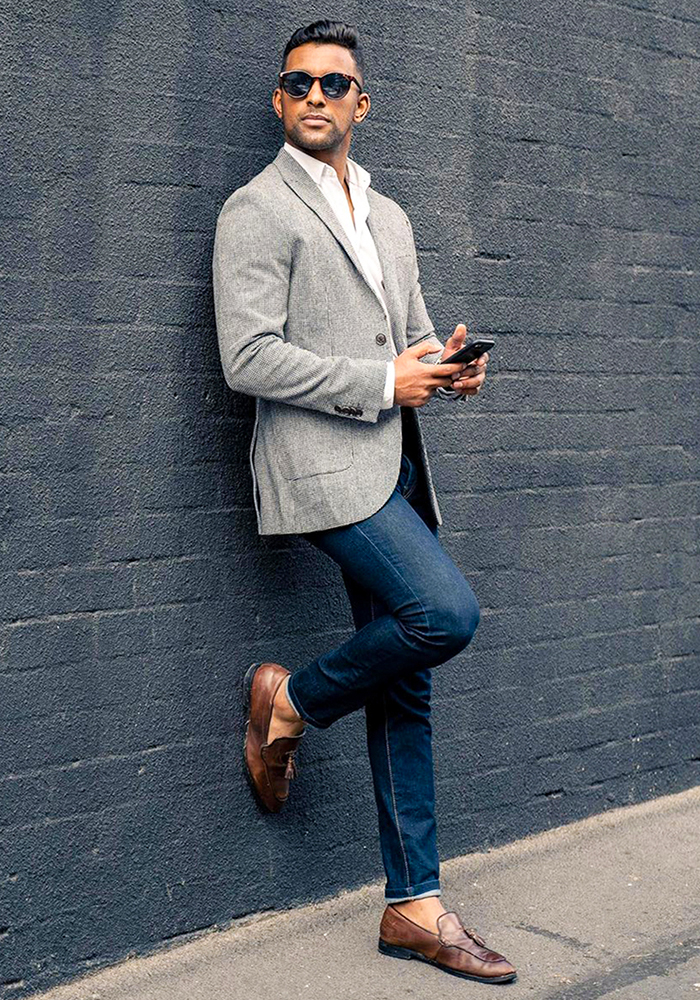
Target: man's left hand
point(470, 379)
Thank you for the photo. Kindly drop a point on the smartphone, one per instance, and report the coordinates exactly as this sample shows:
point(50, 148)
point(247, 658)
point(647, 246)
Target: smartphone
point(474, 349)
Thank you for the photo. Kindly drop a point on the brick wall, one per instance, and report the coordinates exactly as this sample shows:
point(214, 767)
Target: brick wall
point(547, 156)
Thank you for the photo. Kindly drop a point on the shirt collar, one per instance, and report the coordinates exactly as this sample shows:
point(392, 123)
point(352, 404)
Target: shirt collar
point(357, 175)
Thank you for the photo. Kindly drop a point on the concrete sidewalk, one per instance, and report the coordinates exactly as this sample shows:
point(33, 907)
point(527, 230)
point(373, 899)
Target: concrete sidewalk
point(606, 907)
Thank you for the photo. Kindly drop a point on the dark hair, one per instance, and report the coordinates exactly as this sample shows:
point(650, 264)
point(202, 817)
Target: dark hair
point(332, 32)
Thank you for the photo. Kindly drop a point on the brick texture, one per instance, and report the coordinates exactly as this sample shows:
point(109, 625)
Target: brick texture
point(547, 155)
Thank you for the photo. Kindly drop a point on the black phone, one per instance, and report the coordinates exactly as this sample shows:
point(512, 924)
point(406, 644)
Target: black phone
point(472, 350)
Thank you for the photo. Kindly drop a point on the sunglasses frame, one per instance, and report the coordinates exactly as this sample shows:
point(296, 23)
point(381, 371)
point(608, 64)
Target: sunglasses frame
point(347, 76)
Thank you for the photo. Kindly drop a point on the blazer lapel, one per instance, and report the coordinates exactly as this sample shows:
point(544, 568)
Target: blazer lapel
point(298, 179)
point(303, 185)
point(386, 251)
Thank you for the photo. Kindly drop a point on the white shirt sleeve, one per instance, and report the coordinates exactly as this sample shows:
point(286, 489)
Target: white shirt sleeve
point(389, 386)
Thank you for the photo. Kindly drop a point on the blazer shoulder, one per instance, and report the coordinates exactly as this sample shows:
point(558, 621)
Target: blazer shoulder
point(394, 214)
point(251, 223)
point(260, 194)
point(391, 207)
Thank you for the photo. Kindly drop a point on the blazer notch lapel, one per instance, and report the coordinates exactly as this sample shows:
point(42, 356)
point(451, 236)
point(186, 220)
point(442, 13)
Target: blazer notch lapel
point(386, 251)
point(302, 185)
point(299, 181)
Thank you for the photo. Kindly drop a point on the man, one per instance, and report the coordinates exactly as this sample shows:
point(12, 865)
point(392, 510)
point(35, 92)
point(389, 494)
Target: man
point(320, 317)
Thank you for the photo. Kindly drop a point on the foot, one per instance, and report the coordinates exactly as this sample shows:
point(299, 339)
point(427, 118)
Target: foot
point(270, 762)
point(453, 947)
point(424, 912)
point(284, 721)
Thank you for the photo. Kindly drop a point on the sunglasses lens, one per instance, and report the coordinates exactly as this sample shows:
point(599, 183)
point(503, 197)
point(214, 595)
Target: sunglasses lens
point(297, 84)
point(335, 85)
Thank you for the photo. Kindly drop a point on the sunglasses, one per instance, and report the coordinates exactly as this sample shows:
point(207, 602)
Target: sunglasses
point(297, 83)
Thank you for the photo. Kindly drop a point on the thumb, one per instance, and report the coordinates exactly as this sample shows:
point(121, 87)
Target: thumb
point(457, 339)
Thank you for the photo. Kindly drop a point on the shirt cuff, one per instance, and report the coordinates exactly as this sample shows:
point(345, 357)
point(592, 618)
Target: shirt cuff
point(446, 393)
point(389, 386)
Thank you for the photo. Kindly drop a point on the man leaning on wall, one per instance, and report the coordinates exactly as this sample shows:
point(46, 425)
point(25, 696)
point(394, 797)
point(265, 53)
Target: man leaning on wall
point(321, 318)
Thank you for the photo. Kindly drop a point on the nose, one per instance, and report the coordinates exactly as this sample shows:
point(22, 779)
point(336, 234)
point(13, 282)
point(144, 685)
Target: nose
point(316, 95)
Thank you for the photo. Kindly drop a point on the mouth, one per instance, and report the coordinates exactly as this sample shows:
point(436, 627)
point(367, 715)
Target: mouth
point(315, 119)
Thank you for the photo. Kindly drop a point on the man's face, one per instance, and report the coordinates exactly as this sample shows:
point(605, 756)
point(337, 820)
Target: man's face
point(317, 59)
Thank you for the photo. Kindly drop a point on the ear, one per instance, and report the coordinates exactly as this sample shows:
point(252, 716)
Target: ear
point(362, 109)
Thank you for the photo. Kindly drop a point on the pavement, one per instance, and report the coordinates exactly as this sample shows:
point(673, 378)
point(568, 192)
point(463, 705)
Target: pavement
point(601, 908)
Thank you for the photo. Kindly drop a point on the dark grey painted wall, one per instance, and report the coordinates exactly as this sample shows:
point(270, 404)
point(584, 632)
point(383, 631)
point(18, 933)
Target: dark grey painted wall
point(548, 160)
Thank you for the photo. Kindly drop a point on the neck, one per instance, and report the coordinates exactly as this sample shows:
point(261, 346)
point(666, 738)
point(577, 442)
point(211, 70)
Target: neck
point(336, 158)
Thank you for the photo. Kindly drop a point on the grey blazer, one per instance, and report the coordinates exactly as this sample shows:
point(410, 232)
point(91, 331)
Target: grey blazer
point(300, 328)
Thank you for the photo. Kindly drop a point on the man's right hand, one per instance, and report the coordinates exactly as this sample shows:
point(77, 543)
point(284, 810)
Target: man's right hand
point(415, 381)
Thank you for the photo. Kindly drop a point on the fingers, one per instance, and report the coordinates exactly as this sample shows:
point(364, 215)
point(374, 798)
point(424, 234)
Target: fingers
point(479, 362)
point(466, 376)
point(418, 350)
point(441, 370)
point(471, 371)
point(473, 376)
point(469, 386)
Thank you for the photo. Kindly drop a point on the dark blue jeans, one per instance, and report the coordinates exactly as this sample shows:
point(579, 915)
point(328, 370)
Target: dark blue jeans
point(413, 610)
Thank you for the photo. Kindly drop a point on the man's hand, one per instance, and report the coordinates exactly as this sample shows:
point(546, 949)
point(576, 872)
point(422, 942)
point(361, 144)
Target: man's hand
point(470, 377)
point(415, 382)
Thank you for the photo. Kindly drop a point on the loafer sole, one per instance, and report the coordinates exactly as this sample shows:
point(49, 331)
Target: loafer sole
point(247, 685)
point(396, 951)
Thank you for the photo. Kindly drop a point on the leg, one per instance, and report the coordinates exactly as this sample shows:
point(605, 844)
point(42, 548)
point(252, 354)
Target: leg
point(432, 612)
point(399, 741)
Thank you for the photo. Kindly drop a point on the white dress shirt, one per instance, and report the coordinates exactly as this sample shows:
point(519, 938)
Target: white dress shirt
point(359, 234)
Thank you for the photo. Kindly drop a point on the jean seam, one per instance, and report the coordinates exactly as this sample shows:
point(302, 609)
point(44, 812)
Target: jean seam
point(412, 490)
point(393, 792)
point(388, 758)
point(412, 485)
point(395, 570)
point(409, 493)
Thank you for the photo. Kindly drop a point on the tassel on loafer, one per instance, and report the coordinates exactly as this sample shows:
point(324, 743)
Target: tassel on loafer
point(454, 948)
point(269, 766)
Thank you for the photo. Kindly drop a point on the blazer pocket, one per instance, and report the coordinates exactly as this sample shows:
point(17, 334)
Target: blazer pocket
point(402, 261)
point(311, 443)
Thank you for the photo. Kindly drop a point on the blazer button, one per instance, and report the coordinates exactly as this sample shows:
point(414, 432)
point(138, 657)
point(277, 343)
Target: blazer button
point(381, 338)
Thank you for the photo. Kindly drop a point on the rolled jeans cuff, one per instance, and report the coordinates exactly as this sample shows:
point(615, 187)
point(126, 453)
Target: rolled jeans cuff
point(298, 709)
point(401, 895)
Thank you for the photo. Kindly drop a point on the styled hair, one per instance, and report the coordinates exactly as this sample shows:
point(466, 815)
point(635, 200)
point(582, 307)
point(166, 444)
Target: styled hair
point(331, 32)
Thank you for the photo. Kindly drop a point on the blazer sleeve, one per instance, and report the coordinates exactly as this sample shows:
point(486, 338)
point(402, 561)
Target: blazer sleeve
point(420, 328)
point(251, 269)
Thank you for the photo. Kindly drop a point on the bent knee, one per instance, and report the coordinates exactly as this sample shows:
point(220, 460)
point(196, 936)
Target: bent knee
point(463, 621)
point(452, 622)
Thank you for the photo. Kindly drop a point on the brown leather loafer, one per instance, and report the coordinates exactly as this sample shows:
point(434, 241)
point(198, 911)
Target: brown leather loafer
point(454, 949)
point(269, 766)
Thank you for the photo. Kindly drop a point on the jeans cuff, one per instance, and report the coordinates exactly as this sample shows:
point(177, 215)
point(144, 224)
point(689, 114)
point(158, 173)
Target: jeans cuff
point(431, 888)
point(297, 707)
